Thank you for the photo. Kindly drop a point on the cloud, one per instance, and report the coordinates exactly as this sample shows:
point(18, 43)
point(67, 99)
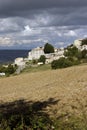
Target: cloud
point(10, 25)
point(33, 22)
point(70, 33)
point(20, 6)
point(47, 12)
point(27, 30)
point(5, 41)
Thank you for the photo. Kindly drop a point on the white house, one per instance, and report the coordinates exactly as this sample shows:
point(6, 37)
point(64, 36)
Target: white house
point(36, 53)
point(78, 44)
point(2, 74)
point(83, 47)
point(54, 56)
point(19, 61)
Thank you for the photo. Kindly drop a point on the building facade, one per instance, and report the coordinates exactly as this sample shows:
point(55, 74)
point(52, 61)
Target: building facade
point(78, 44)
point(35, 53)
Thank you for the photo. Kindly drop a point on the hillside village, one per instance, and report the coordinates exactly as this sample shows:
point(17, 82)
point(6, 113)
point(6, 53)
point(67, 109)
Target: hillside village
point(35, 54)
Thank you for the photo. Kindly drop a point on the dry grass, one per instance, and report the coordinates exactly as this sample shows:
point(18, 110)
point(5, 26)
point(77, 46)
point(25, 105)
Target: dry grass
point(68, 85)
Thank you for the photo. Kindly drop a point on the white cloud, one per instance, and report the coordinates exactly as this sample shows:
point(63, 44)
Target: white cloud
point(8, 25)
point(20, 31)
point(27, 28)
point(59, 34)
point(6, 41)
point(28, 31)
point(28, 42)
point(85, 36)
point(61, 43)
point(70, 33)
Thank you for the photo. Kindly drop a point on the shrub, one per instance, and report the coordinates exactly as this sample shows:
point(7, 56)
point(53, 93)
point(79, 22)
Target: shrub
point(71, 51)
point(42, 59)
point(84, 54)
point(2, 69)
point(8, 70)
point(34, 61)
point(74, 60)
point(61, 63)
point(84, 41)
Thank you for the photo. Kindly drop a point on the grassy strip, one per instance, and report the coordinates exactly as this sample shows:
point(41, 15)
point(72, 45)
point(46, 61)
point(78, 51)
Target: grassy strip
point(36, 68)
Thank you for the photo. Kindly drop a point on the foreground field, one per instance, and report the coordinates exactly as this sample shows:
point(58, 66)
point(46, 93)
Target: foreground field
point(64, 84)
point(60, 93)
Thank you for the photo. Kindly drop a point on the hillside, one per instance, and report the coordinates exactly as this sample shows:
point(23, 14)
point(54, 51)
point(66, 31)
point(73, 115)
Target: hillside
point(62, 84)
point(61, 93)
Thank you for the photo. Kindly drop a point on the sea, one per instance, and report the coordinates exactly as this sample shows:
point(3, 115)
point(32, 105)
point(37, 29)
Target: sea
point(8, 56)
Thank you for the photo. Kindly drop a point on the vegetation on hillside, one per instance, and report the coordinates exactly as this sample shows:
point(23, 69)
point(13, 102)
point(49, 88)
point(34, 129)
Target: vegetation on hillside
point(42, 59)
point(36, 68)
point(71, 52)
point(22, 115)
point(84, 41)
point(8, 70)
point(61, 63)
point(84, 54)
point(73, 56)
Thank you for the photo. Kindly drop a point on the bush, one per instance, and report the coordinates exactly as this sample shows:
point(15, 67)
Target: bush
point(61, 63)
point(71, 51)
point(2, 69)
point(84, 54)
point(8, 70)
point(42, 59)
point(48, 48)
point(74, 60)
point(22, 115)
point(34, 61)
point(84, 41)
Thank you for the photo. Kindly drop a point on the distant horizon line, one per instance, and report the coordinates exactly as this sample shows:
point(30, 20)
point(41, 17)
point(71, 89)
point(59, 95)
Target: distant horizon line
point(15, 49)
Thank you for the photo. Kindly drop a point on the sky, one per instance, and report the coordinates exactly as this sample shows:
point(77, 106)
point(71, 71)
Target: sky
point(25, 24)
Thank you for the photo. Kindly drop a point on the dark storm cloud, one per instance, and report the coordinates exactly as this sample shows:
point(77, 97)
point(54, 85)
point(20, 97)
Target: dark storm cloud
point(55, 12)
point(33, 22)
point(19, 7)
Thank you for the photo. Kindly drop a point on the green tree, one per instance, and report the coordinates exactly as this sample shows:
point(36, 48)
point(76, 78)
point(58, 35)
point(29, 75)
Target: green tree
point(42, 59)
point(2, 69)
point(84, 41)
point(84, 53)
point(10, 69)
point(34, 61)
point(71, 52)
point(48, 48)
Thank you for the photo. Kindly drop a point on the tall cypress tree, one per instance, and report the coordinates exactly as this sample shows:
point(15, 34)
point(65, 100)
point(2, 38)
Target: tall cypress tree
point(48, 48)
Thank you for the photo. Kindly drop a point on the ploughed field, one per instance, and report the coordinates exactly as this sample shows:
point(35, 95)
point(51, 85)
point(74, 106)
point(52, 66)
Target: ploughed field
point(67, 86)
